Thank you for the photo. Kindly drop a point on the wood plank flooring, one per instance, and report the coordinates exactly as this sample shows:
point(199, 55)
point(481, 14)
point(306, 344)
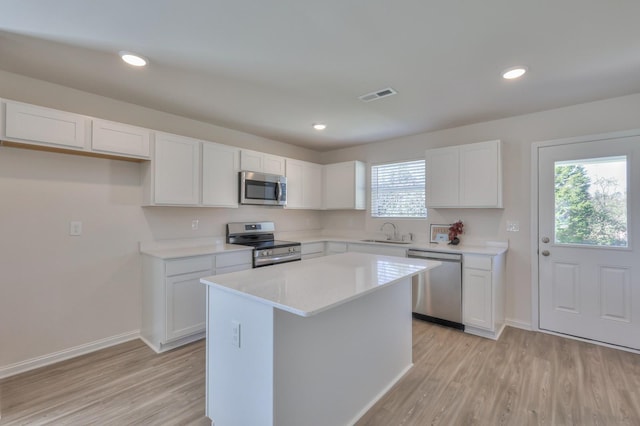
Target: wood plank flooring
point(526, 378)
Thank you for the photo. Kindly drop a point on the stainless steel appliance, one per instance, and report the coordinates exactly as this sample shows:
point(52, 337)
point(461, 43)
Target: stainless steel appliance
point(437, 293)
point(263, 189)
point(266, 249)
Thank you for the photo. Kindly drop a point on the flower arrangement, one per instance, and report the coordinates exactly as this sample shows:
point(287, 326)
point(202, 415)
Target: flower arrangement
point(454, 230)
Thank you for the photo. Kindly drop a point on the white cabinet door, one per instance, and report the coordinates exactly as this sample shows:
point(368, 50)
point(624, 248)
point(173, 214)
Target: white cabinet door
point(442, 177)
point(255, 161)
point(176, 170)
point(186, 305)
point(274, 164)
point(477, 295)
point(336, 247)
point(304, 185)
point(465, 176)
point(480, 175)
point(295, 184)
point(312, 186)
point(220, 164)
point(44, 126)
point(344, 186)
point(121, 139)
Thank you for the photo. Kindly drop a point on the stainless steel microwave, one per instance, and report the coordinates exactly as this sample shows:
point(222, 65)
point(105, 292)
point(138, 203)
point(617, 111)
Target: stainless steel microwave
point(263, 189)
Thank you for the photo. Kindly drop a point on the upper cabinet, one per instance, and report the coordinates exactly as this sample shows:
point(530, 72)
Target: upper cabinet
point(344, 186)
point(36, 125)
point(220, 166)
point(255, 161)
point(190, 172)
point(118, 138)
point(46, 127)
point(175, 174)
point(468, 176)
point(304, 185)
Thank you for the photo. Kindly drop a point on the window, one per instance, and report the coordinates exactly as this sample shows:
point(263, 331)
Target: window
point(397, 190)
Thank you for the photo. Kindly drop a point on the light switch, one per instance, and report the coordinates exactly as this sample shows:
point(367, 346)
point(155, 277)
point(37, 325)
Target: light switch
point(513, 226)
point(75, 228)
point(235, 333)
point(194, 224)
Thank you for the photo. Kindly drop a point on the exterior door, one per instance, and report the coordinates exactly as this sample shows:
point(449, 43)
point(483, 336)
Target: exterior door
point(588, 256)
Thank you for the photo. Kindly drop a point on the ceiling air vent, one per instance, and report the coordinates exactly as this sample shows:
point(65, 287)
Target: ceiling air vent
point(378, 94)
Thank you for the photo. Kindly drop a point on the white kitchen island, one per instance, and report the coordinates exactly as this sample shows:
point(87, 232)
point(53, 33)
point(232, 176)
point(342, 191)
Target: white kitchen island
point(316, 342)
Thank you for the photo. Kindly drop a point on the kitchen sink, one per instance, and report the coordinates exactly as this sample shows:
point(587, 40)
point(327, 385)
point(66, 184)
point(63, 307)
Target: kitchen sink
point(387, 241)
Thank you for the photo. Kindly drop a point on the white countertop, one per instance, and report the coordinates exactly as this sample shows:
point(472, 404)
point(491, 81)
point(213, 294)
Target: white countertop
point(173, 249)
point(311, 286)
point(490, 249)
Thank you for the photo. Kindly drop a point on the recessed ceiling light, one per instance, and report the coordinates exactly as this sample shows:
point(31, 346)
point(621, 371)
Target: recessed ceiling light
point(319, 126)
point(133, 59)
point(514, 72)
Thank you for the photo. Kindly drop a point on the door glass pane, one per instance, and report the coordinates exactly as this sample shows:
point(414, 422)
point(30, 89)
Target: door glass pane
point(591, 202)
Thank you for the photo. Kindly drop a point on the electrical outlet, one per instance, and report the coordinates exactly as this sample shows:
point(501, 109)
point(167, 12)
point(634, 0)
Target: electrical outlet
point(513, 226)
point(75, 228)
point(235, 333)
point(194, 224)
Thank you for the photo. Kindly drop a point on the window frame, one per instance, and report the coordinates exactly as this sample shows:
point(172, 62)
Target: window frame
point(370, 206)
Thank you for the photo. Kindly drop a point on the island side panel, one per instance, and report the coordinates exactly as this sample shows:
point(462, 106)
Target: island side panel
point(239, 380)
point(332, 367)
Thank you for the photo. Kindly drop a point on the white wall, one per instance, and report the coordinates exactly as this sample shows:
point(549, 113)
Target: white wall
point(518, 133)
point(59, 292)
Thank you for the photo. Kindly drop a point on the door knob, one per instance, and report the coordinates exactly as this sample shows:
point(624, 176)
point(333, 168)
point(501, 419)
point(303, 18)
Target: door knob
point(545, 239)
point(545, 253)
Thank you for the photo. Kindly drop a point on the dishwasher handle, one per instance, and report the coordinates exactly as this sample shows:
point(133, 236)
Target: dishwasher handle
point(430, 255)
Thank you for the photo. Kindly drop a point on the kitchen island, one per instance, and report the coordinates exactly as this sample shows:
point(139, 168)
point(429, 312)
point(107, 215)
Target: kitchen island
point(316, 342)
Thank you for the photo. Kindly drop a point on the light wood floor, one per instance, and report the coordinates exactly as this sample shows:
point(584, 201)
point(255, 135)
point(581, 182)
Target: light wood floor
point(526, 378)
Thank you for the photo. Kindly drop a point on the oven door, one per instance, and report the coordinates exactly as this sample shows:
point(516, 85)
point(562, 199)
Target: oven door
point(263, 189)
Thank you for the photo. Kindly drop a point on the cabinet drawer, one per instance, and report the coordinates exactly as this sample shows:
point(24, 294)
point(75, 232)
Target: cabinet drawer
point(234, 268)
point(336, 248)
point(232, 259)
point(188, 265)
point(477, 262)
point(309, 248)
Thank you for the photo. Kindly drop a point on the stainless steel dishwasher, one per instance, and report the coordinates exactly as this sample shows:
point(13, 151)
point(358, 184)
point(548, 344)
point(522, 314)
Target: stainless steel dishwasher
point(437, 293)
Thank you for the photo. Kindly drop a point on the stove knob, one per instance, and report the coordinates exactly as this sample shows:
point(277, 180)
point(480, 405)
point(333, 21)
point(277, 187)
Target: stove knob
point(265, 252)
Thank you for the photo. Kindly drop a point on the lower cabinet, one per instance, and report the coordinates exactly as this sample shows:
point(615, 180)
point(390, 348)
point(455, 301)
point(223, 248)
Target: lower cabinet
point(311, 250)
point(483, 294)
point(384, 250)
point(174, 300)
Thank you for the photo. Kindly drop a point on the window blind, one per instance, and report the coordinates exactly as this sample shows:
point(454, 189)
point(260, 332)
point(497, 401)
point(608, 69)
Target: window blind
point(398, 190)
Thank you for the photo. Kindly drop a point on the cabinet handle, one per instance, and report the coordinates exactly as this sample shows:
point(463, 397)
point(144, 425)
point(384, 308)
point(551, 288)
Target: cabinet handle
point(545, 253)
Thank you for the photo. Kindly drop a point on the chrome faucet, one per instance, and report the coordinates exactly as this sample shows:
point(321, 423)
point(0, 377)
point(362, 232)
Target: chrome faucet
point(395, 231)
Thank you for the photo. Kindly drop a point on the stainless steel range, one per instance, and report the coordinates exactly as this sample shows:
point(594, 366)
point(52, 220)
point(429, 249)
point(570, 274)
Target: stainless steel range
point(266, 249)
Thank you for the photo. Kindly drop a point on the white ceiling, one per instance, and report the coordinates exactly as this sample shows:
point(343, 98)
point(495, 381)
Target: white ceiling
point(273, 68)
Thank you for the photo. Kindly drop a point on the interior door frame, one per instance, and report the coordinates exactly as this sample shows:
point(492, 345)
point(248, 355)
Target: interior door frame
point(535, 150)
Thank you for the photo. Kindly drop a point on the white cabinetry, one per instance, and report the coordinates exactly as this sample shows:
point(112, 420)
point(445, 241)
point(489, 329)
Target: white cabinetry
point(465, 176)
point(311, 250)
point(344, 186)
point(304, 185)
point(382, 249)
point(483, 294)
point(190, 172)
point(334, 247)
point(174, 300)
point(255, 161)
point(220, 165)
point(120, 139)
point(175, 175)
point(36, 125)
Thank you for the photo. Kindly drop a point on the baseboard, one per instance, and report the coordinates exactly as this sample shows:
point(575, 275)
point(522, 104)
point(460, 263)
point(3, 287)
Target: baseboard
point(379, 396)
point(518, 324)
point(41, 361)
